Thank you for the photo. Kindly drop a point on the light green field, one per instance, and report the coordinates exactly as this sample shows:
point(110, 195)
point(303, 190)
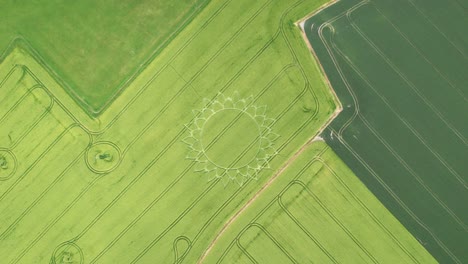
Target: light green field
point(155, 176)
point(317, 212)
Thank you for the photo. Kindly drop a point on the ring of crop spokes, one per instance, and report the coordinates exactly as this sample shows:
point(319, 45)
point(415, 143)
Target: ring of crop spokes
point(231, 139)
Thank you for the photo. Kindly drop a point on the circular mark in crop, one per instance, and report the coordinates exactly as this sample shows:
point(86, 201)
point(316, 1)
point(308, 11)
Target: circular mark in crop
point(68, 253)
point(7, 164)
point(230, 133)
point(231, 139)
point(103, 157)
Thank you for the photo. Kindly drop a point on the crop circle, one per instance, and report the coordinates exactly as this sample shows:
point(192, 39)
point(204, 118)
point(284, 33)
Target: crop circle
point(242, 131)
point(7, 164)
point(103, 157)
point(68, 253)
point(231, 139)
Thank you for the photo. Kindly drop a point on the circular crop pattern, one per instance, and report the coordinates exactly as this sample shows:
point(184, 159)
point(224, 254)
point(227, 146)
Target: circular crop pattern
point(103, 157)
point(243, 134)
point(231, 139)
point(68, 253)
point(7, 164)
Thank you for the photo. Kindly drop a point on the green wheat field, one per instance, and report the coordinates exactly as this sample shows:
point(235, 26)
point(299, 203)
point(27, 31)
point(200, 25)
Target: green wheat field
point(198, 131)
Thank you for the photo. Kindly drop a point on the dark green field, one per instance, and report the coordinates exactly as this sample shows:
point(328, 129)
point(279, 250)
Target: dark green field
point(95, 48)
point(399, 69)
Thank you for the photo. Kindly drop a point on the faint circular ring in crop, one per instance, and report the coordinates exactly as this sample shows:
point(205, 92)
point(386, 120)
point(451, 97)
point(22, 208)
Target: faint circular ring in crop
point(67, 253)
point(103, 157)
point(8, 164)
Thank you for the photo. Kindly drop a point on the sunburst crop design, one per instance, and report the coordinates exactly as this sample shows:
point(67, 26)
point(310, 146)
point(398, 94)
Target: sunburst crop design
point(231, 139)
